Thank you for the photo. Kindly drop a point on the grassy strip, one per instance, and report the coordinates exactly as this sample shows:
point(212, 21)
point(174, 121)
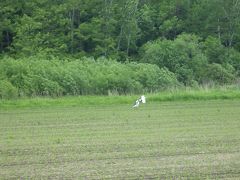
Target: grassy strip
point(174, 95)
point(202, 94)
point(66, 101)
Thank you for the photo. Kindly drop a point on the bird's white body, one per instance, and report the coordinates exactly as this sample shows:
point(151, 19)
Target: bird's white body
point(136, 103)
point(142, 99)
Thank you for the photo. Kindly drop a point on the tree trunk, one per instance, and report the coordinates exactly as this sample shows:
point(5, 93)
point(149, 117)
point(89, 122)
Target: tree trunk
point(128, 43)
point(120, 38)
point(72, 30)
point(219, 30)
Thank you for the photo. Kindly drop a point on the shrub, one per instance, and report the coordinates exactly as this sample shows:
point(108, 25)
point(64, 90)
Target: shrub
point(39, 77)
point(182, 56)
point(7, 90)
point(218, 74)
point(192, 61)
point(214, 50)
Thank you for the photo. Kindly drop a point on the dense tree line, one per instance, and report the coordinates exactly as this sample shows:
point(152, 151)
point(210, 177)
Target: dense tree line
point(111, 27)
point(196, 40)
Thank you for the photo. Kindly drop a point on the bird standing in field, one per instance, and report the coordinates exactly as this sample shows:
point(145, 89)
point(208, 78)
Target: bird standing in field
point(142, 99)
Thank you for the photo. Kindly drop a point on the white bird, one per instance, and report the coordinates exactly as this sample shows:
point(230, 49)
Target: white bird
point(142, 99)
point(136, 103)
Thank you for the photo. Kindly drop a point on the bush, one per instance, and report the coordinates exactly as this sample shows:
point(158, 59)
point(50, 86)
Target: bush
point(182, 56)
point(7, 90)
point(234, 60)
point(162, 53)
point(171, 53)
point(215, 51)
point(39, 77)
point(192, 61)
point(218, 74)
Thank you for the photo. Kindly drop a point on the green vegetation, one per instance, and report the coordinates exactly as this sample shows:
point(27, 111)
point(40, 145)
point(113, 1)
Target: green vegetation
point(70, 71)
point(91, 47)
point(31, 77)
point(81, 77)
point(168, 140)
point(85, 101)
point(111, 28)
point(192, 60)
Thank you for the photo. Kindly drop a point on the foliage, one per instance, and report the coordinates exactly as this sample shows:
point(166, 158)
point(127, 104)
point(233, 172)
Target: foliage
point(192, 60)
point(215, 72)
point(179, 94)
point(184, 40)
point(38, 77)
point(111, 28)
point(7, 90)
point(215, 51)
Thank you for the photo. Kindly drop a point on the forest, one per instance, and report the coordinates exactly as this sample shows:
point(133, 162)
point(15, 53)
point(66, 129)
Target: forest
point(103, 47)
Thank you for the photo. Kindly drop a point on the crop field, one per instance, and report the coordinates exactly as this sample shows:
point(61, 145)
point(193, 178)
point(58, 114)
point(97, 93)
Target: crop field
point(165, 140)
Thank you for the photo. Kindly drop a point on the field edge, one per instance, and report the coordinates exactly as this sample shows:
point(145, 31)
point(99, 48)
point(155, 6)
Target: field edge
point(69, 101)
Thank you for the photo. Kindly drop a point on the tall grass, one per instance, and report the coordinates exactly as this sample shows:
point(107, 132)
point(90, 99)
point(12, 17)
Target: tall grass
point(38, 77)
point(200, 94)
point(186, 94)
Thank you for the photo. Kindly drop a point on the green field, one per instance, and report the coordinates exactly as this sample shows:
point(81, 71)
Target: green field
point(162, 140)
